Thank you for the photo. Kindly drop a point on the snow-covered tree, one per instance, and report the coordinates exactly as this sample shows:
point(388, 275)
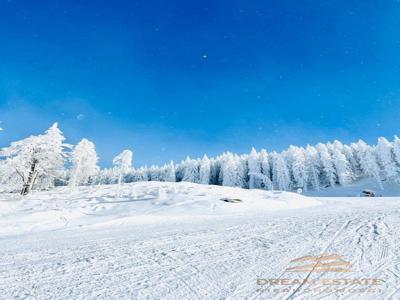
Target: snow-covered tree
point(215, 170)
point(123, 164)
point(368, 162)
point(265, 170)
point(348, 151)
point(84, 163)
point(191, 170)
point(342, 166)
point(313, 167)
point(205, 170)
point(385, 154)
point(155, 174)
point(10, 181)
point(297, 162)
point(254, 165)
point(396, 149)
point(280, 172)
point(170, 172)
point(328, 170)
point(38, 158)
point(233, 170)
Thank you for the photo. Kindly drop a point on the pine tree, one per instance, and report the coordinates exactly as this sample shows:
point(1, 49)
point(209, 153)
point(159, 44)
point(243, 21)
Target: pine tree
point(265, 170)
point(280, 172)
point(205, 170)
point(254, 165)
point(233, 170)
point(123, 164)
point(352, 159)
point(191, 170)
point(297, 163)
point(396, 149)
point(368, 162)
point(170, 172)
point(384, 153)
point(342, 166)
point(329, 172)
point(84, 163)
point(313, 167)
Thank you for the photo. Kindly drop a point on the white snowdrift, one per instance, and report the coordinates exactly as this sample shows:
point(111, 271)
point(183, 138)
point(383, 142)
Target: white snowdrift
point(136, 203)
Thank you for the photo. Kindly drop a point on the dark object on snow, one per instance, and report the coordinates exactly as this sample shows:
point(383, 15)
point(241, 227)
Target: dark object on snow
point(368, 193)
point(230, 200)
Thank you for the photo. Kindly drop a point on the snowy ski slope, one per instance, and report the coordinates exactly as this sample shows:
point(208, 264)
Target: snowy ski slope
point(181, 241)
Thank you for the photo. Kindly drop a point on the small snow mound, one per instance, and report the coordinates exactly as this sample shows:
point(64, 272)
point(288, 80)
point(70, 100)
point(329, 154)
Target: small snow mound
point(137, 203)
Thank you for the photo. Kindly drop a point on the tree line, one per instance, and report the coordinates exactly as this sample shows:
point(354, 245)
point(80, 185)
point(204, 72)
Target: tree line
point(45, 161)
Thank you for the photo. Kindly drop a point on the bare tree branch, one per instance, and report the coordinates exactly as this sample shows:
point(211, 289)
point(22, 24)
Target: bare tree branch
point(20, 174)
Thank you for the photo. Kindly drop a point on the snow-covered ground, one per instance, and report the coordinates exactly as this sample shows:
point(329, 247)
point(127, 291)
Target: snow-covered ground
point(181, 241)
point(355, 189)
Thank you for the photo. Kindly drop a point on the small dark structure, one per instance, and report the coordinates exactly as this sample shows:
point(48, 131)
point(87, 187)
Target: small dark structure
point(230, 200)
point(368, 193)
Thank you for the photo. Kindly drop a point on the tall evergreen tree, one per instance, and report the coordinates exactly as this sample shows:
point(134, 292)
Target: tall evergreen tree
point(266, 170)
point(205, 170)
point(84, 163)
point(328, 170)
point(191, 170)
point(368, 162)
point(385, 154)
point(342, 166)
point(123, 164)
point(280, 172)
point(313, 167)
point(254, 166)
point(297, 163)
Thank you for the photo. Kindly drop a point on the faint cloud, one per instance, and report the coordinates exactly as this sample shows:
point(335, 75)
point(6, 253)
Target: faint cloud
point(80, 117)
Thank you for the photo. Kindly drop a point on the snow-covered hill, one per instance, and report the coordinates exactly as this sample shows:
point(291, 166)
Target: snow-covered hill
point(181, 241)
point(135, 203)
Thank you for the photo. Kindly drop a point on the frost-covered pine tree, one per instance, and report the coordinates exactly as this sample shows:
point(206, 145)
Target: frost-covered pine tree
point(384, 153)
point(84, 163)
point(191, 170)
point(313, 167)
point(205, 170)
point(254, 166)
point(123, 164)
point(328, 170)
point(215, 170)
point(396, 149)
point(280, 172)
point(170, 172)
point(368, 162)
point(140, 174)
point(297, 162)
point(352, 159)
point(265, 170)
point(155, 174)
point(343, 171)
point(233, 170)
point(37, 159)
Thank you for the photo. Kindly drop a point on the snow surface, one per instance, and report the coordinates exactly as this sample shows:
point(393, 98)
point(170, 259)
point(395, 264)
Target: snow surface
point(355, 189)
point(135, 203)
point(157, 240)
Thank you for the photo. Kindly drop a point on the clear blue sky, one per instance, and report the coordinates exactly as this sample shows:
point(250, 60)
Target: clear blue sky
point(175, 78)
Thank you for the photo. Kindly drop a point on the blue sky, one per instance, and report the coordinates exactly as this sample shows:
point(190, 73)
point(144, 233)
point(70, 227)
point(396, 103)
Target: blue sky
point(175, 78)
